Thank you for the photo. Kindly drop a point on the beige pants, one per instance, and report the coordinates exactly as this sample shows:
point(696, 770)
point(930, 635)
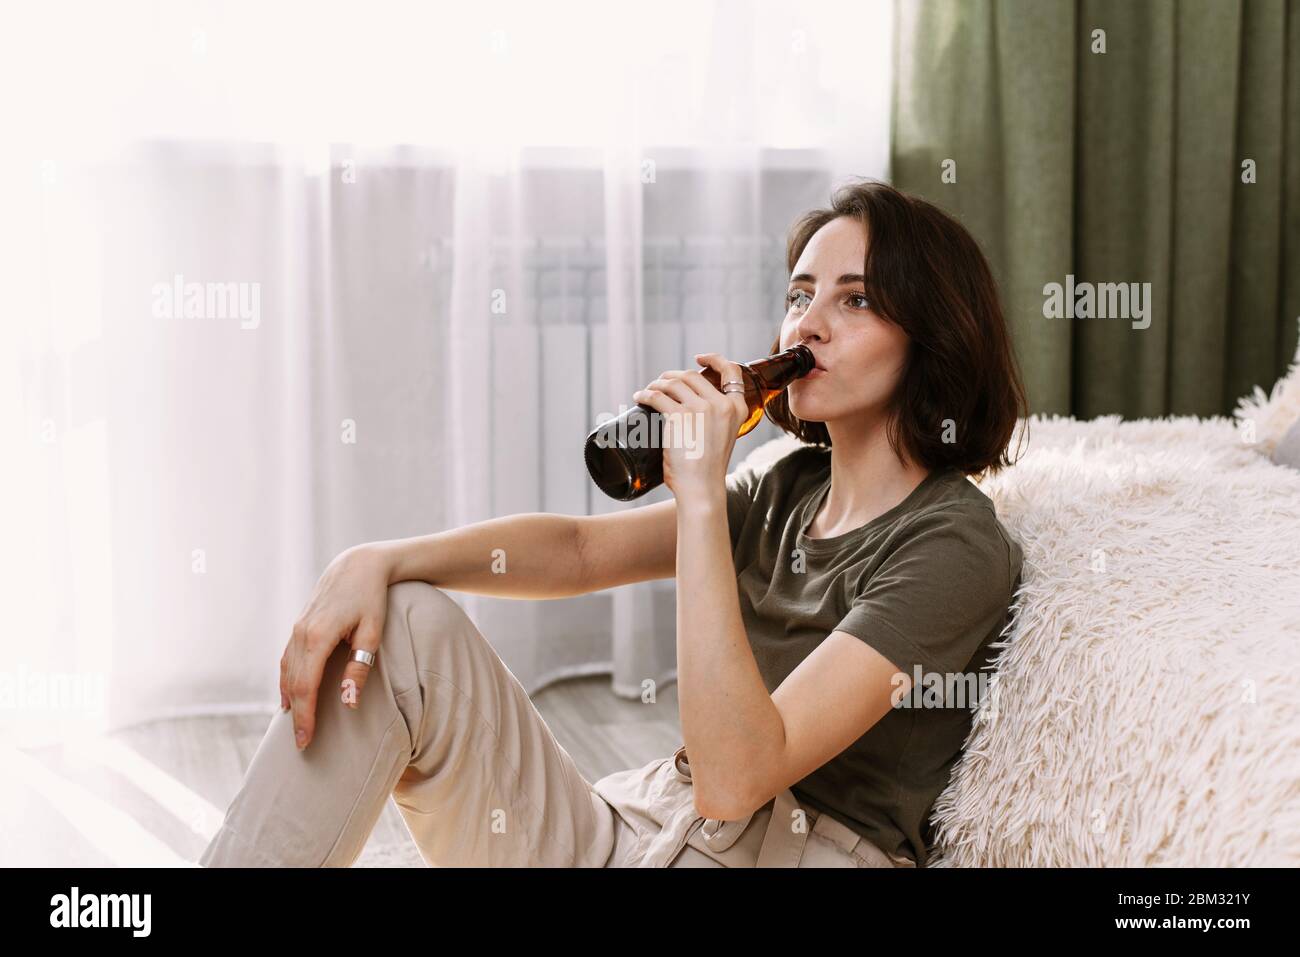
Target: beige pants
point(446, 729)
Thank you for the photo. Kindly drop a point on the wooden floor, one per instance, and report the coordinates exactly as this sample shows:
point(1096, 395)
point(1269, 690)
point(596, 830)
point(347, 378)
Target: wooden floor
point(153, 794)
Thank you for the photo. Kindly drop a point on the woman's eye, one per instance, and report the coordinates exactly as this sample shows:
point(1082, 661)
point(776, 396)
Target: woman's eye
point(799, 297)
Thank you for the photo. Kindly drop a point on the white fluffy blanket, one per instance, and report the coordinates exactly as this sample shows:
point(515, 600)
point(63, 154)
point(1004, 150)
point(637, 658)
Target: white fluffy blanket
point(1146, 710)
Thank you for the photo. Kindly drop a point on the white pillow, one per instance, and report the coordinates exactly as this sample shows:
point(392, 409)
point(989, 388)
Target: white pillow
point(1288, 449)
point(1263, 419)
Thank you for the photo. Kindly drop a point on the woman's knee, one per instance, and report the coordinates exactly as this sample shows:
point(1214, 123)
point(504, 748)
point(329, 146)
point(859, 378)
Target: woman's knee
point(429, 618)
point(429, 601)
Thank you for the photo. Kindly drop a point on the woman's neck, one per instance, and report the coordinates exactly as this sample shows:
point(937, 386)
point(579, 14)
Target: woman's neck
point(867, 480)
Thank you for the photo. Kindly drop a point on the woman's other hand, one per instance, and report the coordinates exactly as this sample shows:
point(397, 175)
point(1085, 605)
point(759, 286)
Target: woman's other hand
point(349, 603)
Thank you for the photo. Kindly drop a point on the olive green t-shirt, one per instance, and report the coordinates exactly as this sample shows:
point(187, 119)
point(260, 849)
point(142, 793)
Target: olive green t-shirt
point(928, 584)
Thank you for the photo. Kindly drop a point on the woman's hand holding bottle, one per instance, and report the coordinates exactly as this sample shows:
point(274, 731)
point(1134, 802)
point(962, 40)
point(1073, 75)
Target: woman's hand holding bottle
point(700, 424)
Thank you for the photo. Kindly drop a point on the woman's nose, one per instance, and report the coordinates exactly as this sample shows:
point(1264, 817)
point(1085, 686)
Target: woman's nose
point(809, 326)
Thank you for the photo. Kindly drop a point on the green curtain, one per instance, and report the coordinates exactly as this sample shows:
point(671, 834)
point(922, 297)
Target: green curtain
point(1118, 166)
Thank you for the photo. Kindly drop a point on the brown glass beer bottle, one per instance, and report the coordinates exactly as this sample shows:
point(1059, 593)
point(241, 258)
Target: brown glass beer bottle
point(625, 455)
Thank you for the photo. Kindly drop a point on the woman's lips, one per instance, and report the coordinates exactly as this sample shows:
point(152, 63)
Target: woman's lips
point(816, 374)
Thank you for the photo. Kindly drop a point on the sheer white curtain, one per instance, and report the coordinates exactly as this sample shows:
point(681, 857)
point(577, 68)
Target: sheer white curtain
point(284, 278)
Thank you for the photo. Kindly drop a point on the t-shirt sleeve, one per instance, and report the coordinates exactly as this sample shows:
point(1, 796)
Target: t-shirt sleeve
point(939, 592)
point(742, 487)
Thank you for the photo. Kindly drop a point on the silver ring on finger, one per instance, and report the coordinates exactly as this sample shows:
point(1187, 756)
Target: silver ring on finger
point(363, 656)
point(739, 387)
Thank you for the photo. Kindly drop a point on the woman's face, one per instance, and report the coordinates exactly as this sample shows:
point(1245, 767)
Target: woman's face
point(862, 353)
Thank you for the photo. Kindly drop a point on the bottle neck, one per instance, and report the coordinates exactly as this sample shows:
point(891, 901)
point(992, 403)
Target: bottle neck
point(778, 371)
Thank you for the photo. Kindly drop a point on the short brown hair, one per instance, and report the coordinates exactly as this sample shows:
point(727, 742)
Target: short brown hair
point(926, 274)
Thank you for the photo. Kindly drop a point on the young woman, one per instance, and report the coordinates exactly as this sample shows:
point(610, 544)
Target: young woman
point(835, 609)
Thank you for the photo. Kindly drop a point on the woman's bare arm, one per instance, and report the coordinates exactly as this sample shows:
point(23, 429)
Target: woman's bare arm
point(528, 555)
point(542, 554)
